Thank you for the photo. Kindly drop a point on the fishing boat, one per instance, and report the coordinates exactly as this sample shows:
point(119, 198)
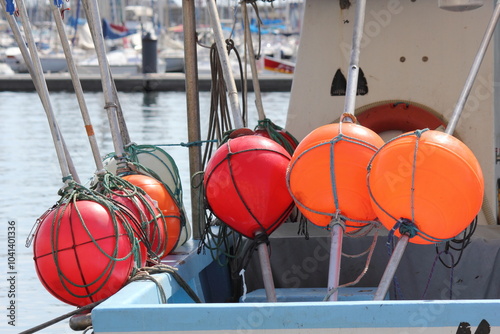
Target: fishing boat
point(414, 59)
point(410, 67)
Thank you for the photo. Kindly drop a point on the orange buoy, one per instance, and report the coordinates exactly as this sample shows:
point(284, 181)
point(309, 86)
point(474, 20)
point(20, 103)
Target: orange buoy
point(245, 185)
point(327, 174)
point(82, 252)
point(428, 180)
point(168, 207)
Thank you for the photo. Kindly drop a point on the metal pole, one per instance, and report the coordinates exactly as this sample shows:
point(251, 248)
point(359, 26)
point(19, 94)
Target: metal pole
point(226, 68)
point(350, 100)
point(41, 84)
point(391, 268)
point(111, 106)
point(45, 101)
point(77, 86)
point(253, 66)
point(352, 76)
point(193, 110)
point(403, 241)
point(474, 70)
point(267, 275)
point(335, 260)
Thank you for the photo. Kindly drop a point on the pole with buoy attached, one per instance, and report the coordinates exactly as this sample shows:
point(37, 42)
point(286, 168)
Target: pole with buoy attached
point(398, 252)
point(238, 124)
point(337, 231)
point(34, 65)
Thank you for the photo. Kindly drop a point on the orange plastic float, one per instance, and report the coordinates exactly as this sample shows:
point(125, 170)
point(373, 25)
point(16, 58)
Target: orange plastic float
point(245, 185)
point(81, 254)
point(446, 179)
point(168, 207)
point(327, 174)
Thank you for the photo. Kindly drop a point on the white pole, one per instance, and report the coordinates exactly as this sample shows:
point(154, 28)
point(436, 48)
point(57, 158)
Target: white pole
point(474, 70)
point(350, 100)
point(253, 66)
point(267, 275)
point(226, 68)
point(386, 280)
point(403, 241)
point(111, 104)
point(77, 86)
point(41, 84)
point(335, 260)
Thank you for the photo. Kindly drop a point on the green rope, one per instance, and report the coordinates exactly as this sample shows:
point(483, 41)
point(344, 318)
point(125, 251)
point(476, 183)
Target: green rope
point(71, 196)
point(171, 182)
point(147, 273)
point(223, 243)
point(278, 134)
point(149, 221)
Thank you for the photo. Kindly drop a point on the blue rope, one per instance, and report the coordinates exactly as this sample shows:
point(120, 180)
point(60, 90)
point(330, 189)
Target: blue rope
point(438, 255)
point(10, 8)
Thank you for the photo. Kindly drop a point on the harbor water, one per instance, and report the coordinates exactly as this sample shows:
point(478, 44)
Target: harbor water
point(30, 176)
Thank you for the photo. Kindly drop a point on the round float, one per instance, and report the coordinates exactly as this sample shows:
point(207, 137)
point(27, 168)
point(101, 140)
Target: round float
point(171, 228)
point(428, 181)
point(82, 252)
point(245, 185)
point(327, 174)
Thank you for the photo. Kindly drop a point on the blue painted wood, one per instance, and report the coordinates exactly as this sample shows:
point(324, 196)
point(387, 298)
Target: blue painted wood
point(314, 315)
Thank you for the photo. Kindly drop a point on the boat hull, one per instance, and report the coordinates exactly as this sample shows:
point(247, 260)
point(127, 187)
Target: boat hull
point(318, 318)
point(137, 307)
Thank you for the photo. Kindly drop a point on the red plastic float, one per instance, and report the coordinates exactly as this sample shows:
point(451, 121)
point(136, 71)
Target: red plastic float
point(330, 163)
point(245, 185)
point(146, 229)
point(81, 255)
point(168, 207)
point(446, 179)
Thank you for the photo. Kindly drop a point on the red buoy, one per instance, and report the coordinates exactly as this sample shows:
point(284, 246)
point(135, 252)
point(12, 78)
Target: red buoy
point(245, 185)
point(168, 207)
point(327, 174)
point(142, 211)
point(81, 254)
point(430, 180)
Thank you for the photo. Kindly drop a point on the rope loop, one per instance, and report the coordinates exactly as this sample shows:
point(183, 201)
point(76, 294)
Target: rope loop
point(407, 227)
point(337, 219)
point(278, 134)
point(146, 273)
